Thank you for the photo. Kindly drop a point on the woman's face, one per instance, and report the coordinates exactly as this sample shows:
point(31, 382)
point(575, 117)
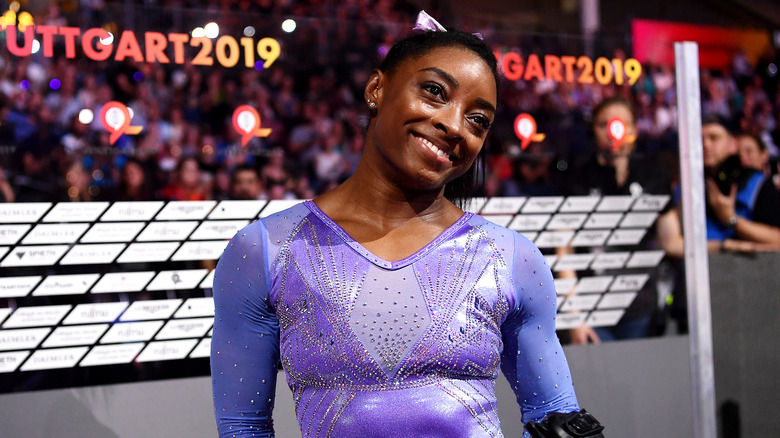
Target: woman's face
point(600, 121)
point(750, 153)
point(432, 116)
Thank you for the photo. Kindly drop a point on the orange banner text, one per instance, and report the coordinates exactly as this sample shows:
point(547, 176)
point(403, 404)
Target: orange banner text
point(99, 45)
point(570, 69)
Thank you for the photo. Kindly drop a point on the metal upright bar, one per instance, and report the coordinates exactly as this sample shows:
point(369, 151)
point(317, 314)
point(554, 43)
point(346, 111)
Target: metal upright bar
point(697, 278)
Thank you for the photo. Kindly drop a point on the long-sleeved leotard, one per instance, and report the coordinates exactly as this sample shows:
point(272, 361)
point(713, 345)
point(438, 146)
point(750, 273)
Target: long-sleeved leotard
point(375, 348)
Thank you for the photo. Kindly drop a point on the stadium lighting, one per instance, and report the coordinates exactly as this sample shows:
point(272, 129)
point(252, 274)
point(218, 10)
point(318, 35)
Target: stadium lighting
point(86, 116)
point(36, 46)
point(288, 25)
point(212, 30)
point(198, 32)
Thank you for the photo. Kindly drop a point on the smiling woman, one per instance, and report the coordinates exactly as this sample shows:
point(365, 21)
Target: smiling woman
point(389, 307)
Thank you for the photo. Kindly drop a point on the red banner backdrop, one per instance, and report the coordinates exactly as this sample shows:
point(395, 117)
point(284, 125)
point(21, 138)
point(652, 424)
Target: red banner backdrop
point(654, 42)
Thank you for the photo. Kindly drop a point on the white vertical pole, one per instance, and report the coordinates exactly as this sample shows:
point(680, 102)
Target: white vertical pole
point(697, 278)
point(590, 22)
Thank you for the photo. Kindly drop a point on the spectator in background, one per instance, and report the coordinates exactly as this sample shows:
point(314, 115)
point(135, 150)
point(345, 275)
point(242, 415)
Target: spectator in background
point(186, 184)
point(245, 184)
point(134, 183)
point(619, 171)
point(753, 153)
point(742, 203)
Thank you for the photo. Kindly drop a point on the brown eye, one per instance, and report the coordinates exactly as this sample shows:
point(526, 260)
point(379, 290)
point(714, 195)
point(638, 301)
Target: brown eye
point(434, 89)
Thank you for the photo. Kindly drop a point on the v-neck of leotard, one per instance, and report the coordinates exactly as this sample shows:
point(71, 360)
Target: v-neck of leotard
point(373, 258)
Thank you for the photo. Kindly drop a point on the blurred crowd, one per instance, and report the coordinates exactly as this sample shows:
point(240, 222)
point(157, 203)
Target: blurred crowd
point(312, 100)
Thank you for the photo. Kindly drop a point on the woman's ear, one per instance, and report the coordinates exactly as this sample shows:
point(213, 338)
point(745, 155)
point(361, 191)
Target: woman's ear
point(374, 87)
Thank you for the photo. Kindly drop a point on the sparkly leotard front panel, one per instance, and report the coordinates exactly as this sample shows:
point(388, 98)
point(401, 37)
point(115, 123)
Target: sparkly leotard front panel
point(362, 338)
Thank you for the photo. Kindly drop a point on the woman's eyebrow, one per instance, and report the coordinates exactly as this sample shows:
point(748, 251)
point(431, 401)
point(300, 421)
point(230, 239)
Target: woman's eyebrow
point(444, 75)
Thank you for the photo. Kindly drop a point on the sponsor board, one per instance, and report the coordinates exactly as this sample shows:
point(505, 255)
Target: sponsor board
point(132, 211)
point(626, 237)
point(131, 332)
point(203, 349)
point(602, 220)
point(10, 234)
point(529, 222)
point(638, 220)
point(565, 321)
point(237, 209)
point(579, 204)
point(590, 238)
point(564, 285)
point(72, 284)
point(554, 239)
point(604, 318)
point(277, 205)
point(631, 282)
point(44, 234)
point(92, 253)
point(167, 231)
point(11, 360)
point(217, 230)
point(166, 350)
point(617, 300)
point(123, 282)
point(75, 335)
point(151, 309)
point(148, 252)
point(651, 203)
point(574, 262)
point(185, 328)
point(38, 316)
point(112, 232)
point(186, 210)
point(111, 354)
point(204, 250)
point(615, 203)
point(610, 260)
point(645, 259)
point(567, 221)
point(76, 212)
point(503, 205)
point(40, 255)
point(180, 279)
point(22, 212)
point(11, 287)
point(597, 284)
point(22, 339)
point(54, 358)
point(95, 312)
point(195, 307)
point(542, 204)
point(580, 302)
point(208, 282)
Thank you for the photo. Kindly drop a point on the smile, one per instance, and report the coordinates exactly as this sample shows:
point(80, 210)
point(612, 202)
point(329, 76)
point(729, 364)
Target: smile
point(440, 153)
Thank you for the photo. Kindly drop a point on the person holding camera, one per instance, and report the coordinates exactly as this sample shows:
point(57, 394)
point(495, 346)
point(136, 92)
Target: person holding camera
point(743, 206)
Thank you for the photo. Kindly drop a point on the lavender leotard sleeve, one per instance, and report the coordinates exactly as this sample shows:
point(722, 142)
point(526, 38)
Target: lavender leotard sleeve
point(245, 341)
point(378, 348)
point(533, 360)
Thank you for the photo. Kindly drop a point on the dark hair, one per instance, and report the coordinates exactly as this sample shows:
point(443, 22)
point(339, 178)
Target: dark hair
point(716, 119)
point(615, 100)
point(461, 189)
point(755, 138)
point(243, 168)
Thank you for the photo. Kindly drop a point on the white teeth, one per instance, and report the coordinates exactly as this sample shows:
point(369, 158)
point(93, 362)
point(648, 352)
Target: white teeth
point(430, 146)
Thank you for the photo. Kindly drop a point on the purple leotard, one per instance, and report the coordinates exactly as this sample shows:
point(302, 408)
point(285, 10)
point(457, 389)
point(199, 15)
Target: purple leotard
point(373, 348)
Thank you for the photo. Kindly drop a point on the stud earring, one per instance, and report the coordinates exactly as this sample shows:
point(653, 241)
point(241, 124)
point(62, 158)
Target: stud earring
point(371, 104)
